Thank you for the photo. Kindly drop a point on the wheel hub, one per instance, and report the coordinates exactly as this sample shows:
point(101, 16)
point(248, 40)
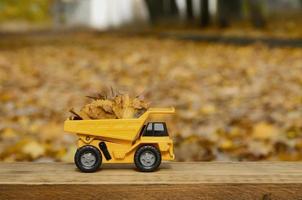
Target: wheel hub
point(88, 159)
point(147, 159)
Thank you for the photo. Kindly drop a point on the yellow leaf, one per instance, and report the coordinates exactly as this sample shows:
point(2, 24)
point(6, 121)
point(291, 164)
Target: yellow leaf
point(226, 145)
point(8, 133)
point(263, 131)
point(69, 155)
point(208, 109)
point(33, 149)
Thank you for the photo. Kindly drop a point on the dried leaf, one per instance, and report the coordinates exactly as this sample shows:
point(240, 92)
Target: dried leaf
point(33, 149)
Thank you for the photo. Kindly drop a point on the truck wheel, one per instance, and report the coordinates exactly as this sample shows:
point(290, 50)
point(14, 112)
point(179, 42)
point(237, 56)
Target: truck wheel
point(88, 158)
point(147, 158)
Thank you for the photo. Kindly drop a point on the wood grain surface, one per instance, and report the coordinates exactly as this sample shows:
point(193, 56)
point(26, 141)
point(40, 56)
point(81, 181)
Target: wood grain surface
point(200, 180)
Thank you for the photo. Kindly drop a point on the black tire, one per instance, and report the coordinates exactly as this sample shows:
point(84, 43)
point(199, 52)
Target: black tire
point(146, 166)
point(95, 158)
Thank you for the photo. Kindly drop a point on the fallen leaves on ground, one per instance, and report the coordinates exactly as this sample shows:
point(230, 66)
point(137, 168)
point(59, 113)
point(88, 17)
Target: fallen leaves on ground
point(232, 102)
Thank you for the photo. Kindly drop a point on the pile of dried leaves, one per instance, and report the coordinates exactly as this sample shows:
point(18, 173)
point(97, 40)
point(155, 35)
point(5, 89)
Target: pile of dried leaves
point(116, 106)
point(232, 102)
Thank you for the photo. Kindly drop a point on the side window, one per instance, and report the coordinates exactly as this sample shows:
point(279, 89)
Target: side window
point(159, 129)
point(149, 130)
point(149, 127)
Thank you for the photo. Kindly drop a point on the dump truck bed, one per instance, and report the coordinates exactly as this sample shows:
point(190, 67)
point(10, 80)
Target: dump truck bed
point(117, 129)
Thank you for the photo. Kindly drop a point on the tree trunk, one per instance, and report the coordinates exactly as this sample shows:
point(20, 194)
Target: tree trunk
point(223, 20)
point(189, 9)
point(155, 8)
point(256, 13)
point(205, 14)
point(228, 11)
point(173, 9)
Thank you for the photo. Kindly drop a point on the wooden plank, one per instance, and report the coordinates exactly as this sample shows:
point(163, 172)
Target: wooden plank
point(202, 180)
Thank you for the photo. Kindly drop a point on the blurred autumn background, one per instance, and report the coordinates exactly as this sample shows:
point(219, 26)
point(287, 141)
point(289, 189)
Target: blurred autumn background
point(232, 69)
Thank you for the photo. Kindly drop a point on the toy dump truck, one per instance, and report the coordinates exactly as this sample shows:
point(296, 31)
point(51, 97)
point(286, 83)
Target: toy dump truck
point(136, 140)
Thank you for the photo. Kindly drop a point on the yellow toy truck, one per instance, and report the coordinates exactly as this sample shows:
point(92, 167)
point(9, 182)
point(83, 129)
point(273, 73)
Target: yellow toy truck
point(122, 141)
